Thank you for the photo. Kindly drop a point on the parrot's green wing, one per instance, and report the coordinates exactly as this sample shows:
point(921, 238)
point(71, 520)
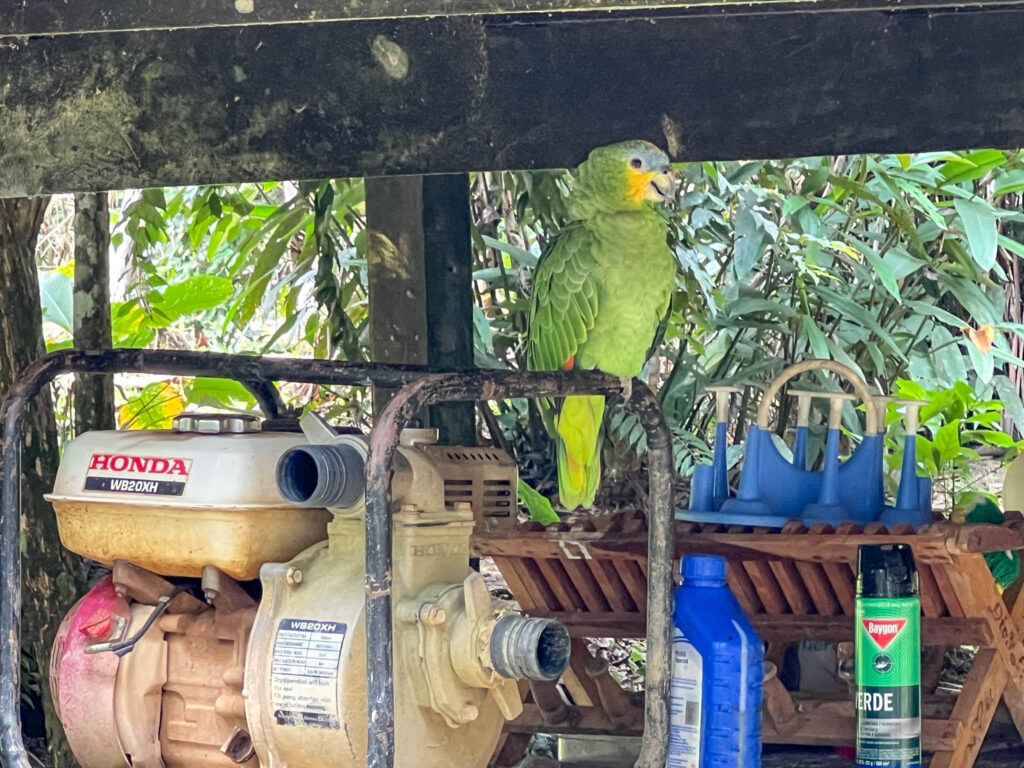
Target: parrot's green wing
point(659, 335)
point(562, 308)
point(564, 301)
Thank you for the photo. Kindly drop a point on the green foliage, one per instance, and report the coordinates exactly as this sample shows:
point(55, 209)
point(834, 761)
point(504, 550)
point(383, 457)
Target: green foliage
point(956, 426)
point(537, 505)
point(879, 262)
point(134, 323)
point(154, 407)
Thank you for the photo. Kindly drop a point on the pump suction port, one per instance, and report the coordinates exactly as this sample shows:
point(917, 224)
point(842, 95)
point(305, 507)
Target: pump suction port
point(322, 475)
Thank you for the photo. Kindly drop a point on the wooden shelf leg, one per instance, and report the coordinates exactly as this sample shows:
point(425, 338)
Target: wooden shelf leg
point(974, 709)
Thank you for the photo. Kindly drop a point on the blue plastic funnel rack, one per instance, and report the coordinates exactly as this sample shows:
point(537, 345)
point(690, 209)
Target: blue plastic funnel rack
point(773, 491)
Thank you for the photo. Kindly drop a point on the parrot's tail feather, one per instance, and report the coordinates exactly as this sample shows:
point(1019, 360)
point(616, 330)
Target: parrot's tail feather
point(579, 450)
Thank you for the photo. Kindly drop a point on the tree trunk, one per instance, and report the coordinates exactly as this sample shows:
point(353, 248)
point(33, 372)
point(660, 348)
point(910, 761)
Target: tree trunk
point(93, 395)
point(51, 575)
point(1014, 313)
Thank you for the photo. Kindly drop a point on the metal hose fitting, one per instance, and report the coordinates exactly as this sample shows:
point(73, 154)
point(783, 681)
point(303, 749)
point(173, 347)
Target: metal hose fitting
point(530, 649)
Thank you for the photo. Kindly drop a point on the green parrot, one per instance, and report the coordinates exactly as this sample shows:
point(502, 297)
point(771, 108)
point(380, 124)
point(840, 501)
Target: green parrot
point(600, 293)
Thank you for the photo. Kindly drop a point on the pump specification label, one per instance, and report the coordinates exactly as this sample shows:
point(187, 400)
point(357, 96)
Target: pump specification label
point(304, 673)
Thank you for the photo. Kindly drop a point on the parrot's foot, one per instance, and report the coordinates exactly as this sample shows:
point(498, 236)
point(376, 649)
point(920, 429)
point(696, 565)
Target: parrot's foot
point(627, 387)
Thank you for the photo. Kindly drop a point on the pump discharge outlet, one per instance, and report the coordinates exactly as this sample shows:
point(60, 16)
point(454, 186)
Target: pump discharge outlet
point(214, 668)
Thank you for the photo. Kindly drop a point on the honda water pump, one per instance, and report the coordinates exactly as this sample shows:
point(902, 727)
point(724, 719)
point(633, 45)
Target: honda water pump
point(232, 629)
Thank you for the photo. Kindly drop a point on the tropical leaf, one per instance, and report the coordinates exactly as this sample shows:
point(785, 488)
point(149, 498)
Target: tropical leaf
point(154, 407)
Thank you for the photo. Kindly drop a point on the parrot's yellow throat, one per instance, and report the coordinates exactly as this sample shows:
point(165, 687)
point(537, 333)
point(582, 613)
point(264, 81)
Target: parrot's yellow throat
point(652, 186)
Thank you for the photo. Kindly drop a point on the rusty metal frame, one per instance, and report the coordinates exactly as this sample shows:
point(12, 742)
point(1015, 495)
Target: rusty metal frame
point(495, 385)
point(421, 387)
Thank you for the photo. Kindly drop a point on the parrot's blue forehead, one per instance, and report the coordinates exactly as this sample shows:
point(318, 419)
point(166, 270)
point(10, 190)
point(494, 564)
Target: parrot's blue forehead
point(649, 154)
point(652, 155)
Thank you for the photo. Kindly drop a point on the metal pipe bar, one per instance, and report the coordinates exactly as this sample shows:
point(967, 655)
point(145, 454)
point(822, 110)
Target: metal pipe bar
point(492, 385)
point(255, 373)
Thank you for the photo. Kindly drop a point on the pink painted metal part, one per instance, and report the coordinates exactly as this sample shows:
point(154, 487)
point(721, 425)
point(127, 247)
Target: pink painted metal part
point(83, 683)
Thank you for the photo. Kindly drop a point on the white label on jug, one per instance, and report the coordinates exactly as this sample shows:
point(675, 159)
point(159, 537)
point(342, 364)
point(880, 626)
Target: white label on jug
point(304, 673)
point(684, 721)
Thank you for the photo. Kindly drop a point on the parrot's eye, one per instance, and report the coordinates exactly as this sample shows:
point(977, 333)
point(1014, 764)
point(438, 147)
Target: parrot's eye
point(637, 163)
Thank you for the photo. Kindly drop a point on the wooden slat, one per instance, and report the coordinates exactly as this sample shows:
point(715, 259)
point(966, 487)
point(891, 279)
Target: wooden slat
point(974, 709)
point(642, 563)
point(583, 579)
point(819, 588)
point(509, 567)
point(539, 588)
point(839, 575)
point(739, 581)
point(824, 729)
point(792, 586)
point(932, 603)
point(591, 720)
point(743, 589)
point(948, 592)
point(586, 624)
point(554, 574)
point(635, 582)
point(814, 579)
point(579, 659)
point(614, 590)
point(788, 628)
point(829, 730)
point(763, 579)
point(838, 547)
point(767, 588)
point(789, 579)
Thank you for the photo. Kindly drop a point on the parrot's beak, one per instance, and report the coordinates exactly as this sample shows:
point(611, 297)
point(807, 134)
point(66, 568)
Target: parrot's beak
point(662, 186)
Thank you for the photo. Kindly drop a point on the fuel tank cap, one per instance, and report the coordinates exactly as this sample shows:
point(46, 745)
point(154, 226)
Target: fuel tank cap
point(217, 423)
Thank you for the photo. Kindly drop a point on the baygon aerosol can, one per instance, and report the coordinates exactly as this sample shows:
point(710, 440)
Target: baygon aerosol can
point(888, 653)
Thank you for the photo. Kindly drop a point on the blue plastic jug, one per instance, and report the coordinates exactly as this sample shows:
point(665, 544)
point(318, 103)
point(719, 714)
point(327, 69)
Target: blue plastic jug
point(717, 674)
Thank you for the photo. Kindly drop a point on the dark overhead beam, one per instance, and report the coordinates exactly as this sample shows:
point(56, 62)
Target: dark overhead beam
point(359, 98)
point(42, 17)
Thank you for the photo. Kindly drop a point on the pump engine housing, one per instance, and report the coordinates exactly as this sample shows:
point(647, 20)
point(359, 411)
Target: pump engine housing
point(180, 659)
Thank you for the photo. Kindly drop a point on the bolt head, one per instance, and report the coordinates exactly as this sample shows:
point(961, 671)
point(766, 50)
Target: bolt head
point(293, 575)
point(436, 615)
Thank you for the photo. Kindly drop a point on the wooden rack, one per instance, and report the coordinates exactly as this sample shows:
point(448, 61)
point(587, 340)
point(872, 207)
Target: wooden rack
point(795, 584)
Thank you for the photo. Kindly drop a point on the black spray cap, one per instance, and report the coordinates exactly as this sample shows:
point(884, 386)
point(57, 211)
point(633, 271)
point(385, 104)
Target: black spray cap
point(886, 571)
